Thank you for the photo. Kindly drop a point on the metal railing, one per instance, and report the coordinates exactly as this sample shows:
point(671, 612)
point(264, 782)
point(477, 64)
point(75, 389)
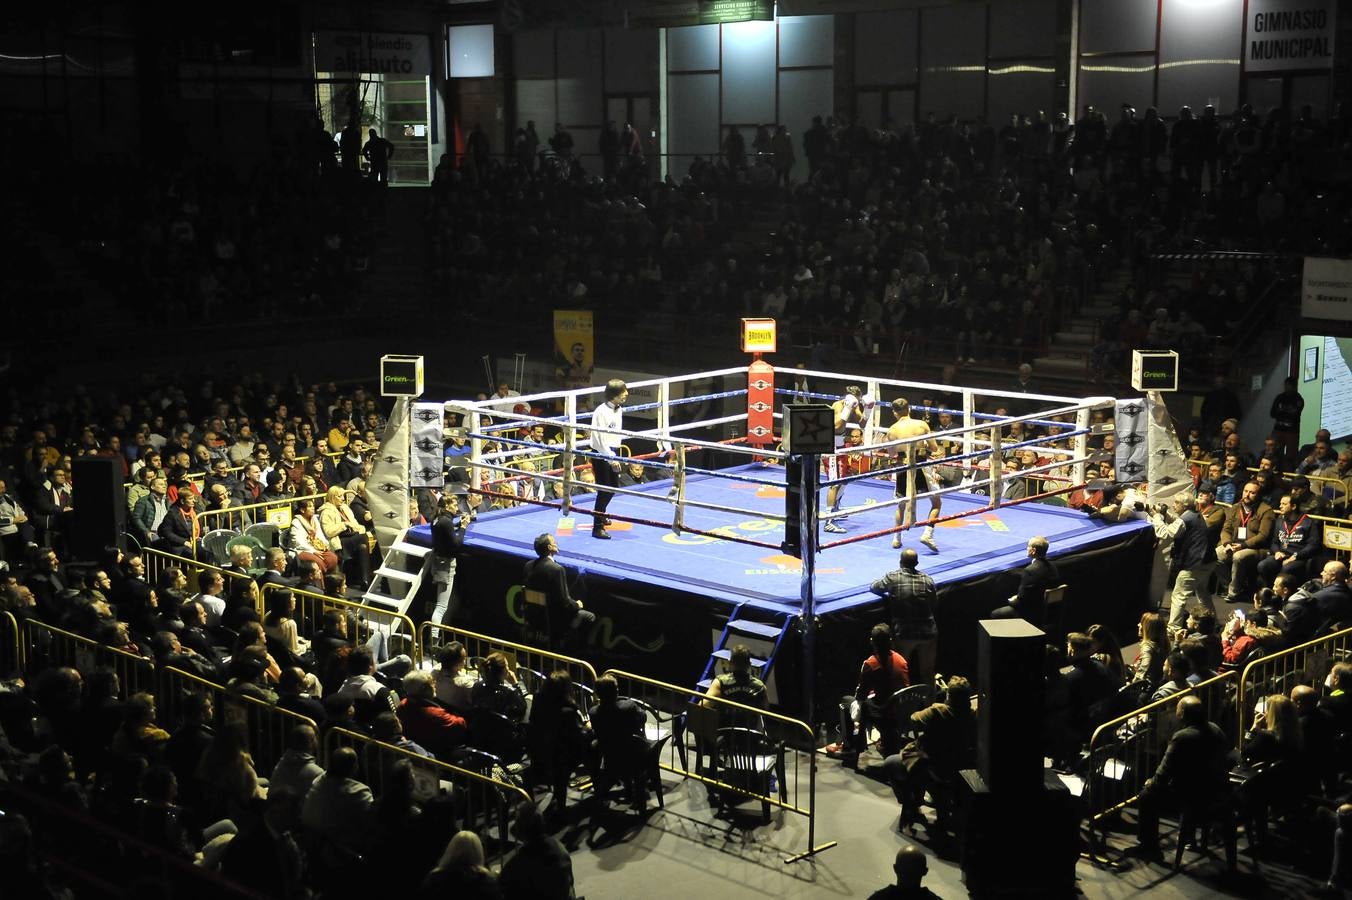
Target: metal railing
point(1278, 673)
point(1124, 752)
point(482, 802)
point(42, 646)
point(11, 660)
point(278, 512)
point(780, 750)
point(156, 561)
point(266, 727)
point(433, 637)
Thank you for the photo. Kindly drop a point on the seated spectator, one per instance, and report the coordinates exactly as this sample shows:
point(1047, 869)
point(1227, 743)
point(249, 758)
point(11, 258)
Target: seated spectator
point(299, 692)
point(1296, 540)
point(159, 820)
point(283, 636)
point(1193, 772)
point(308, 540)
point(1201, 625)
point(460, 872)
point(139, 735)
point(339, 524)
point(297, 768)
point(1108, 651)
point(1195, 650)
point(541, 868)
point(910, 868)
point(1176, 672)
point(171, 653)
point(498, 689)
point(386, 728)
point(1080, 700)
point(1318, 731)
point(195, 637)
point(425, 721)
point(1274, 756)
point(558, 738)
point(1148, 668)
point(944, 743)
point(1334, 598)
point(242, 607)
point(1337, 699)
point(337, 806)
point(454, 685)
point(872, 705)
point(740, 686)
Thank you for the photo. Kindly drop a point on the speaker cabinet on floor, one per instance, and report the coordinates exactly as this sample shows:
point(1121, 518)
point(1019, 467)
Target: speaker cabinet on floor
point(99, 518)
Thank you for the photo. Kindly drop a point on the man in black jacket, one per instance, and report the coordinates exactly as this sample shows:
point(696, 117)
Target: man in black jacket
point(1194, 771)
point(1030, 603)
point(910, 597)
point(567, 618)
point(1190, 557)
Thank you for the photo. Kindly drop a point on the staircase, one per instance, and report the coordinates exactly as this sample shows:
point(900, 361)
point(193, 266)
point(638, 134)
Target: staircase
point(395, 584)
point(763, 639)
point(1068, 351)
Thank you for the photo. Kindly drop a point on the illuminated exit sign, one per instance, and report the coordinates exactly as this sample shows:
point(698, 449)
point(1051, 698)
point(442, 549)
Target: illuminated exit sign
point(758, 335)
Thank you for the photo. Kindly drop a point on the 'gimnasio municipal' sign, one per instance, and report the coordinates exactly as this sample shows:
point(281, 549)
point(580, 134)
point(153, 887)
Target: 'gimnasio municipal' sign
point(1289, 34)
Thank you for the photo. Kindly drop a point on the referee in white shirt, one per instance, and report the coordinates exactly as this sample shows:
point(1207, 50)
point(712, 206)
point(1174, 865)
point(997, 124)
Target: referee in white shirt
point(609, 415)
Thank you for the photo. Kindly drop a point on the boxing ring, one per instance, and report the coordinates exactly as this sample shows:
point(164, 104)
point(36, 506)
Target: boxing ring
point(696, 536)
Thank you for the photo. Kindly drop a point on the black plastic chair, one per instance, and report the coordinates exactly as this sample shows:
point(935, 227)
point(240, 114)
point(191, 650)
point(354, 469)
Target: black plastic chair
point(749, 763)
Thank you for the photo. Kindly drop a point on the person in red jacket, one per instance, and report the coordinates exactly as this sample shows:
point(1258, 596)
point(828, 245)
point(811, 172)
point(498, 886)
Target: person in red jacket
point(425, 721)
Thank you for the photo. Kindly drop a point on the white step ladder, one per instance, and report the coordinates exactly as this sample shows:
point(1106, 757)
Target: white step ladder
point(395, 584)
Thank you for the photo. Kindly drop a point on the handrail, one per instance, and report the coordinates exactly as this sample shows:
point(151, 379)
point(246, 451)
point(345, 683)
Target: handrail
point(59, 647)
point(11, 658)
point(288, 501)
point(581, 670)
point(310, 606)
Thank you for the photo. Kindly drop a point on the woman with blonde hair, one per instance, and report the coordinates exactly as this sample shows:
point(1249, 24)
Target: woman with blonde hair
point(1148, 669)
point(339, 524)
point(1274, 749)
point(461, 873)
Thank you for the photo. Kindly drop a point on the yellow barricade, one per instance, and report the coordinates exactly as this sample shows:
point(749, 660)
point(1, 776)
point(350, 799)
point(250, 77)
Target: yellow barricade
point(1278, 673)
point(401, 634)
point(433, 637)
point(42, 646)
point(11, 662)
point(1124, 752)
point(266, 727)
point(278, 512)
point(482, 802)
point(735, 750)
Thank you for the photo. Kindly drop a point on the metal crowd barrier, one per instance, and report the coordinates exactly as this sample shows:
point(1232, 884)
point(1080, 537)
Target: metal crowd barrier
point(267, 727)
point(434, 637)
point(156, 561)
point(736, 750)
point(482, 803)
point(1124, 752)
point(278, 512)
point(1278, 673)
point(309, 616)
point(11, 661)
point(42, 646)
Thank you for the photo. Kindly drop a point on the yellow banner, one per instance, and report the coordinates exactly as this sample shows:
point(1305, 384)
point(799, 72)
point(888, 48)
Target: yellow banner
point(574, 348)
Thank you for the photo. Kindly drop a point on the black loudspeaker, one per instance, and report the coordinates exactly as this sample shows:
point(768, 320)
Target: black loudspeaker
point(1011, 659)
point(99, 518)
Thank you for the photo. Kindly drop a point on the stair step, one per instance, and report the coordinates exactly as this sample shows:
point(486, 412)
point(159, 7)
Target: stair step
point(758, 629)
point(373, 598)
point(395, 574)
point(413, 550)
point(704, 684)
point(1077, 338)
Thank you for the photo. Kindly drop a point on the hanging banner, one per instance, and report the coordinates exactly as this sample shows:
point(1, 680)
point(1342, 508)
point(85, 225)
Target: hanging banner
point(387, 488)
point(1129, 425)
point(1326, 289)
point(1289, 34)
point(425, 446)
point(574, 348)
point(1167, 470)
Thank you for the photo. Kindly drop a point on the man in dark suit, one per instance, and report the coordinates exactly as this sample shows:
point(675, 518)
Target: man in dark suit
point(1030, 603)
point(1194, 772)
point(617, 733)
point(1334, 599)
point(566, 615)
point(274, 574)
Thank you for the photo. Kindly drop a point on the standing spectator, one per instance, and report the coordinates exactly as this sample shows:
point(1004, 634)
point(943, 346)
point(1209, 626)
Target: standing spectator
point(337, 805)
point(377, 154)
point(910, 868)
point(781, 146)
point(1286, 409)
point(910, 597)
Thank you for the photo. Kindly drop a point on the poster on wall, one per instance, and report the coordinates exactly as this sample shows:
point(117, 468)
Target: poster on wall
point(1326, 288)
point(574, 349)
point(1289, 34)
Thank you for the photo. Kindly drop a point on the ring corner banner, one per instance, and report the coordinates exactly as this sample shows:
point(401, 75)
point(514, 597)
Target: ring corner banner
point(425, 443)
point(387, 489)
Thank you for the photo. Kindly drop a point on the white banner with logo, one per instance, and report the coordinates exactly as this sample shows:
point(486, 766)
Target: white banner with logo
point(425, 459)
point(387, 488)
point(1167, 471)
point(1129, 427)
point(1289, 34)
point(1326, 289)
point(373, 52)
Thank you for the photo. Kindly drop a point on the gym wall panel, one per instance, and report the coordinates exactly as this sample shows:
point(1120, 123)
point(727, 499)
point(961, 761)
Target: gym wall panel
point(692, 49)
point(806, 41)
point(579, 74)
point(692, 120)
point(535, 103)
point(1026, 28)
point(631, 60)
point(1117, 26)
point(953, 61)
point(1109, 81)
point(803, 93)
point(884, 47)
point(533, 54)
point(749, 72)
point(1199, 54)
